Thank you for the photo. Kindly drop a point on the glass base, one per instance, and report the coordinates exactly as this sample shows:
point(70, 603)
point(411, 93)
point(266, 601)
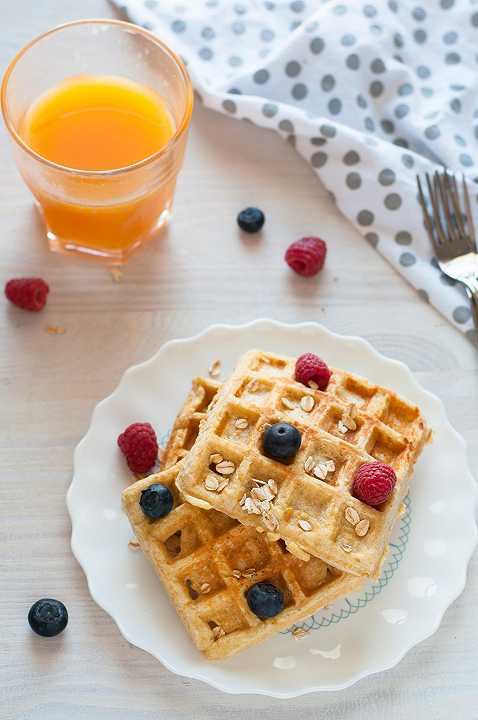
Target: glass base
point(116, 257)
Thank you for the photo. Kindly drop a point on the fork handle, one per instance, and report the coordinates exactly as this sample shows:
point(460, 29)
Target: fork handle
point(473, 297)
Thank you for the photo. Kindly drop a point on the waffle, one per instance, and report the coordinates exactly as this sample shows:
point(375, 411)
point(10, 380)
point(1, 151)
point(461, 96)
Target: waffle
point(312, 508)
point(207, 561)
point(186, 427)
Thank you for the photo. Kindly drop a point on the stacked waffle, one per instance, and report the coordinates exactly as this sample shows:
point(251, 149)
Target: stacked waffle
point(241, 520)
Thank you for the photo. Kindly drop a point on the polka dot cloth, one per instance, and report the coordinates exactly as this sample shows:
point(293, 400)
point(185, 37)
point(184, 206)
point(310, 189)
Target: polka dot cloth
point(370, 93)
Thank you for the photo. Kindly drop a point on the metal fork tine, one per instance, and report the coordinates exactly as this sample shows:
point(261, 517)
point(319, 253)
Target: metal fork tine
point(469, 216)
point(438, 182)
point(436, 210)
point(426, 217)
point(450, 183)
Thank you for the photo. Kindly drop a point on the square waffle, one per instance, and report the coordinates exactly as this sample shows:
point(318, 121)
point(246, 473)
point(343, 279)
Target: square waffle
point(186, 426)
point(207, 562)
point(308, 502)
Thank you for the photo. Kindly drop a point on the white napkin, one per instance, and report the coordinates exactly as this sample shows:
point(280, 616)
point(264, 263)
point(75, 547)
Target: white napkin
point(370, 92)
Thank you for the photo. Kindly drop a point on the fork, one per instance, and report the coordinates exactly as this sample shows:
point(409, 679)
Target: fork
point(452, 231)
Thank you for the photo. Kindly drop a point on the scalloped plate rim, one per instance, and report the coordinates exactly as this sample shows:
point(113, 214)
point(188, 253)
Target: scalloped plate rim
point(198, 675)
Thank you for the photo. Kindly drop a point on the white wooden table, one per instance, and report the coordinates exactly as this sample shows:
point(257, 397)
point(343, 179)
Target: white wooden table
point(200, 272)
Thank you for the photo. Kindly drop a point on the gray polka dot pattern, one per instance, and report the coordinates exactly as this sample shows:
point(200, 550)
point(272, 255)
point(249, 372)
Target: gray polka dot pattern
point(335, 106)
point(269, 110)
point(316, 45)
point(267, 35)
point(403, 237)
point(208, 33)
point(351, 157)
point(423, 72)
point(328, 131)
point(178, 26)
point(376, 88)
point(206, 53)
point(419, 14)
point(318, 159)
point(407, 259)
point(365, 217)
point(261, 76)
point(361, 101)
point(299, 91)
point(286, 126)
point(452, 58)
point(386, 176)
point(370, 92)
point(229, 106)
point(327, 83)
point(377, 66)
point(461, 314)
point(292, 69)
point(401, 111)
point(432, 132)
point(405, 89)
point(235, 61)
point(372, 238)
point(348, 40)
point(392, 201)
point(353, 180)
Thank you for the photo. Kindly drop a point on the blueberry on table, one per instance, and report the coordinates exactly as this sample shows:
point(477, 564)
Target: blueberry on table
point(281, 441)
point(265, 600)
point(156, 501)
point(48, 617)
point(251, 219)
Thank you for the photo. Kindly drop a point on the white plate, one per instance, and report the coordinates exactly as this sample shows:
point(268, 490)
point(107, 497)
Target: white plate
point(366, 633)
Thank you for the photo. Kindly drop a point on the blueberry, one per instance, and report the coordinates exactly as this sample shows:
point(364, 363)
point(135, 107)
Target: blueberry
point(265, 600)
point(156, 501)
point(48, 617)
point(281, 441)
point(251, 219)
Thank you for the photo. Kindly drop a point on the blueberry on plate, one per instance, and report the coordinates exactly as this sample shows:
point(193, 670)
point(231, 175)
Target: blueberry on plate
point(265, 600)
point(48, 617)
point(281, 441)
point(251, 219)
point(156, 501)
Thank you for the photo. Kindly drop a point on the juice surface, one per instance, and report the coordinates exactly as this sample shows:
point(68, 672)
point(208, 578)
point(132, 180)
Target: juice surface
point(97, 123)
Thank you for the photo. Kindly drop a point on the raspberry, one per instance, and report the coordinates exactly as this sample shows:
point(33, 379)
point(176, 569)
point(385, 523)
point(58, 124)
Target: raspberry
point(139, 445)
point(27, 293)
point(374, 483)
point(310, 367)
point(306, 256)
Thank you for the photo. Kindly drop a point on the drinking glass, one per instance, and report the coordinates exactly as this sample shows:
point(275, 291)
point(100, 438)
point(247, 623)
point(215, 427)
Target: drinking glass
point(105, 213)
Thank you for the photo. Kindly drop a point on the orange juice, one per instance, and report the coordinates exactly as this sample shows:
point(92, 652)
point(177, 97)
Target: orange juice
point(101, 123)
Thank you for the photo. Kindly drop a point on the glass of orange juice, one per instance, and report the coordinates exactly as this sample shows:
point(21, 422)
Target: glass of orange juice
point(98, 111)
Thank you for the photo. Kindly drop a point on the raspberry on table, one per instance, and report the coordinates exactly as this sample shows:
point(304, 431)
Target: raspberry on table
point(306, 256)
point(309, 367)
point(373, 483)
point(139, 445)
point(27, 293)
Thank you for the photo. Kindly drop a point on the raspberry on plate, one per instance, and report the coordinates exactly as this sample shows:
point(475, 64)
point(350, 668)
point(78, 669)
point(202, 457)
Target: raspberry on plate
point(374, 483)
point(27, 293)
point(139, 445)
point(306, 256)
point(310, 368)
